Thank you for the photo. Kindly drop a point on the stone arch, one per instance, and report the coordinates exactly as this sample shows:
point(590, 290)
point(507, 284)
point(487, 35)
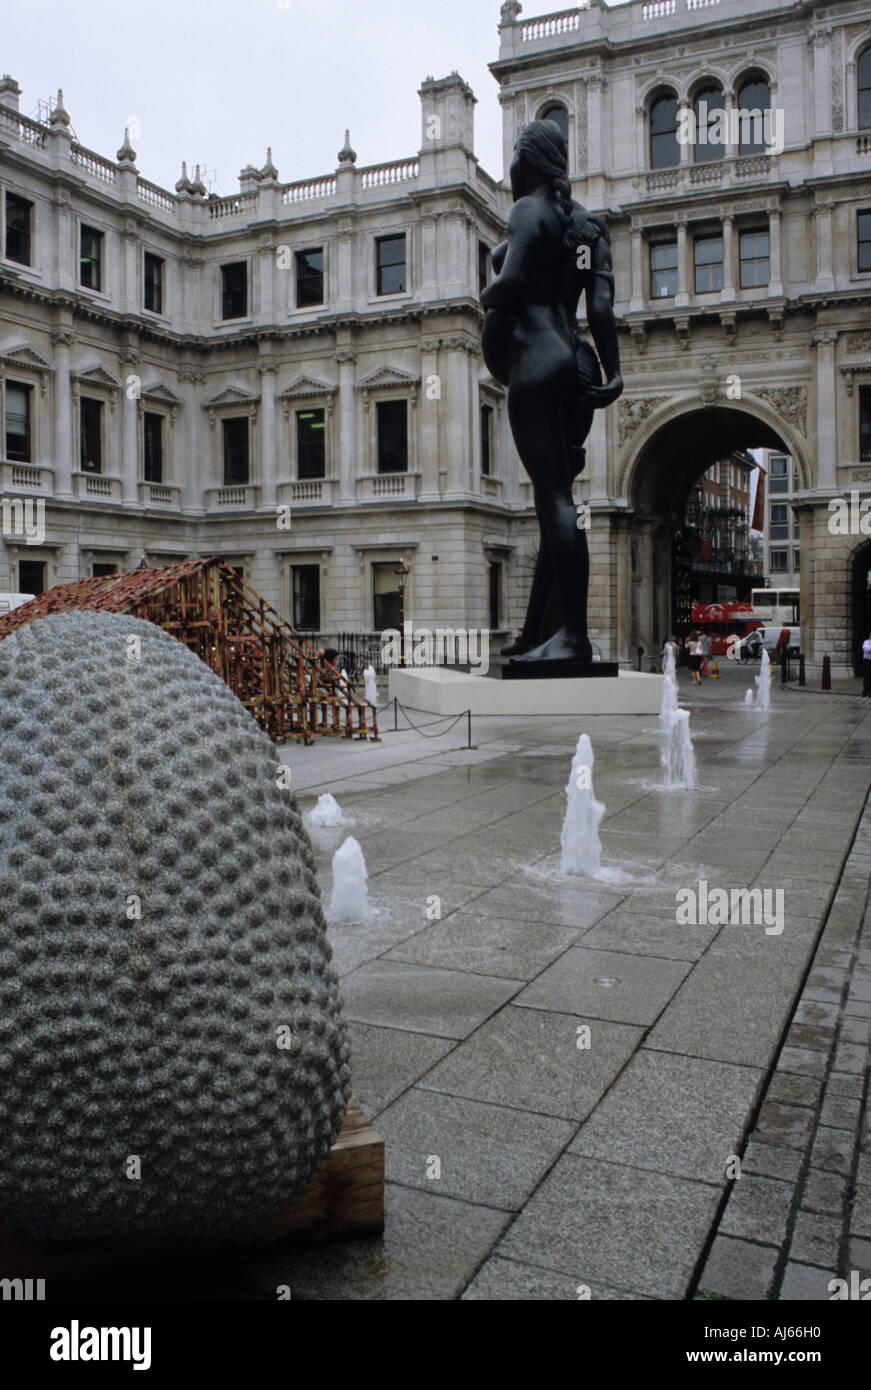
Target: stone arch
point(746, 69)
point(714, 77)
point(658, 86)
point(782, 434)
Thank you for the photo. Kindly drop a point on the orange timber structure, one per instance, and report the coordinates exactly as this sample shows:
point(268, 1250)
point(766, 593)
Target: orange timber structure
point(205, 604)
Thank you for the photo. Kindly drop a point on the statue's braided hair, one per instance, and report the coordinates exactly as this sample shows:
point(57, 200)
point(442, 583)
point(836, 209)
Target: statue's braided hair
point(544, 145)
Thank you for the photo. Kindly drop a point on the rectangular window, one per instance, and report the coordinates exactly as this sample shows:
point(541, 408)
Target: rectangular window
point(390, 264)
point(18, 215)
point(153, 283)
point(18, 422)
point(796, 560)
point(483, 265)
point(392, 437)
point(755, 259)
point(778, 473)
point(864, 222)
point(311, 444)
point(234, 297)
point(309, 277)
point(152, 450)
point(386, 600)
point(865, 423)
point(235, 451)
point(90, 441)
point(102, 571)
point(796, 527)
point(31, 577)
point(486, 439)
point(90, 258)
point(779, 561)
point(663, 269)
point(306, 597)
point(778, 529)
point(708, 252)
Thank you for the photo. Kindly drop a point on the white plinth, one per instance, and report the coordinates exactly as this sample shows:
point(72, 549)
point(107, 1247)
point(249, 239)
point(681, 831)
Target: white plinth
point(439, 690)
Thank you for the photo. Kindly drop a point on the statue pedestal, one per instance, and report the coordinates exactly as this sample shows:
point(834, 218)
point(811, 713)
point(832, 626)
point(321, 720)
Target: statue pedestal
point(558, 670)
point(442, 690)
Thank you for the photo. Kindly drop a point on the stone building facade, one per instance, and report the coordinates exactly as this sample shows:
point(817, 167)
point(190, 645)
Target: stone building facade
point(743, 269)
point(290, 377)
point(315, 346)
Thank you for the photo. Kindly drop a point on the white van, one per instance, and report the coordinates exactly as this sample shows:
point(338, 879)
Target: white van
point(10, 601)
point(768, 637)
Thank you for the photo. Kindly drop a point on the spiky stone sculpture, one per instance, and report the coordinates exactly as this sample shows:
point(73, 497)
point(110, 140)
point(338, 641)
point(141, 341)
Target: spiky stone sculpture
point(172, 1053)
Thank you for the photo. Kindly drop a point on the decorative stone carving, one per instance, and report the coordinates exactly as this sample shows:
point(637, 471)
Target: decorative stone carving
point(631, 416)
point(790, 402)
point(837, 63)
point(158, 931)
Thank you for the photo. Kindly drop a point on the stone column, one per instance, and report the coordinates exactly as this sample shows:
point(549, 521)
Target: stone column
point(455, 396)
point(268, 496)
point(775, 274)
point(349, 463)
point(729, 106)
point(682, 296)
point(825, 340)
point(63, 454)
point(728, 291)
point(636, 303)
point(430, 412)
point(131, 412)
point(825, 278)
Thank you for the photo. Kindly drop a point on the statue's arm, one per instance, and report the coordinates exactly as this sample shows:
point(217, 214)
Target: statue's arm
point(510, 284)
point(600, 316)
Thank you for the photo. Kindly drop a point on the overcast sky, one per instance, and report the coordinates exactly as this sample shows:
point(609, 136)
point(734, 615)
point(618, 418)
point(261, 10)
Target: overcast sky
point(216, 81)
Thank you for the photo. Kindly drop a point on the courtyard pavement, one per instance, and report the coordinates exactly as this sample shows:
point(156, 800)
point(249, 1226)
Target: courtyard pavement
point(564, 1075)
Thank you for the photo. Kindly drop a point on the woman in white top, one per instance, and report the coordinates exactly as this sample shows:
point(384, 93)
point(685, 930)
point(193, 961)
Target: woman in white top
point(696, 657)
point(866, 665)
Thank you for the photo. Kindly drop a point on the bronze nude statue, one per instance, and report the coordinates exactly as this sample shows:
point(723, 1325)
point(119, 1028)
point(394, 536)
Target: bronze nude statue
point(532, 344)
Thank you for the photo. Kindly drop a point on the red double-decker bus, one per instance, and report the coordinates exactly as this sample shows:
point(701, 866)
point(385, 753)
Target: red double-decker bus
point(724, 620)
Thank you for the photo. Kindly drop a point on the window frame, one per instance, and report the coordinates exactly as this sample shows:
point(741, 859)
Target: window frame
point(85, 400)
point(230, 419)
point(864, 407)
point(713, 112)
point(863, 242)
point(863, 59)
point(299, 413)
point(701, 239)
point(152, 258)
point(299, 280)
point(743, 234)
point(146, 462)
point(316, 570)
point(27, 203)
point(380, 407)
point(654, 270)
point(27, 388)
point(382, 241)
point(658, 101)
point(224, 292)
point(86, 228)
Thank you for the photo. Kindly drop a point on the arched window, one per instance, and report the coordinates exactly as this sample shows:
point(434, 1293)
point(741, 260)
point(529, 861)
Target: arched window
point(664, 148)
point(560, 116)
point(754, 99)
point(863, 78)
point(710, 128)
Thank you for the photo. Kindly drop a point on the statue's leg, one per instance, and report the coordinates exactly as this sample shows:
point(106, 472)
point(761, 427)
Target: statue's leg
point(539, 429)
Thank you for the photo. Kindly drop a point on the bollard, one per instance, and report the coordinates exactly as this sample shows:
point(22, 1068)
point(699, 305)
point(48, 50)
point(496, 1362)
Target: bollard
point(827, 674)
point(638, 661)
point(396, 714)
point(801, 669)
point(784, 667)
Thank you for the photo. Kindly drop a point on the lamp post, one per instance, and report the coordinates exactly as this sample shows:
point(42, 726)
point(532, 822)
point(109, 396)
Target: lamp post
point(401, 573)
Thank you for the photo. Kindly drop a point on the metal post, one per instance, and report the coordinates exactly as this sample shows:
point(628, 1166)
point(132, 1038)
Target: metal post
point(395, 714)
point(801, 669)
point(468, 728)
point(827, 674)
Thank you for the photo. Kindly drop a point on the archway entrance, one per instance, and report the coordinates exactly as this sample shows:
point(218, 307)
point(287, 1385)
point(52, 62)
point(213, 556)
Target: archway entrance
point(663, 543)
point(861, 604)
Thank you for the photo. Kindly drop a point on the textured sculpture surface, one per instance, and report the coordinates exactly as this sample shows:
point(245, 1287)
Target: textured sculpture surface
point(166, 992)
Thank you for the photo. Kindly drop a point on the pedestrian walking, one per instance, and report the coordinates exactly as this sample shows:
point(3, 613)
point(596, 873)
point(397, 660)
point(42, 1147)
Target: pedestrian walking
point(705, 644)
point(696, 657)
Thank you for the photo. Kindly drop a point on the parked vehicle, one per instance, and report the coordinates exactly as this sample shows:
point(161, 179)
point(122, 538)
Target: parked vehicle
point(750, 647)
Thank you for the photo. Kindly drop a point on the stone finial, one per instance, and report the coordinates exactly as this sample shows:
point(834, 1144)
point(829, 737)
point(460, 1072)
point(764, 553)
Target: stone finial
point(59, 116)
point(184, 184)
point(269, 170)
point(197, 186)
point(126, 154)
point(509, 12)
point(346, 154)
